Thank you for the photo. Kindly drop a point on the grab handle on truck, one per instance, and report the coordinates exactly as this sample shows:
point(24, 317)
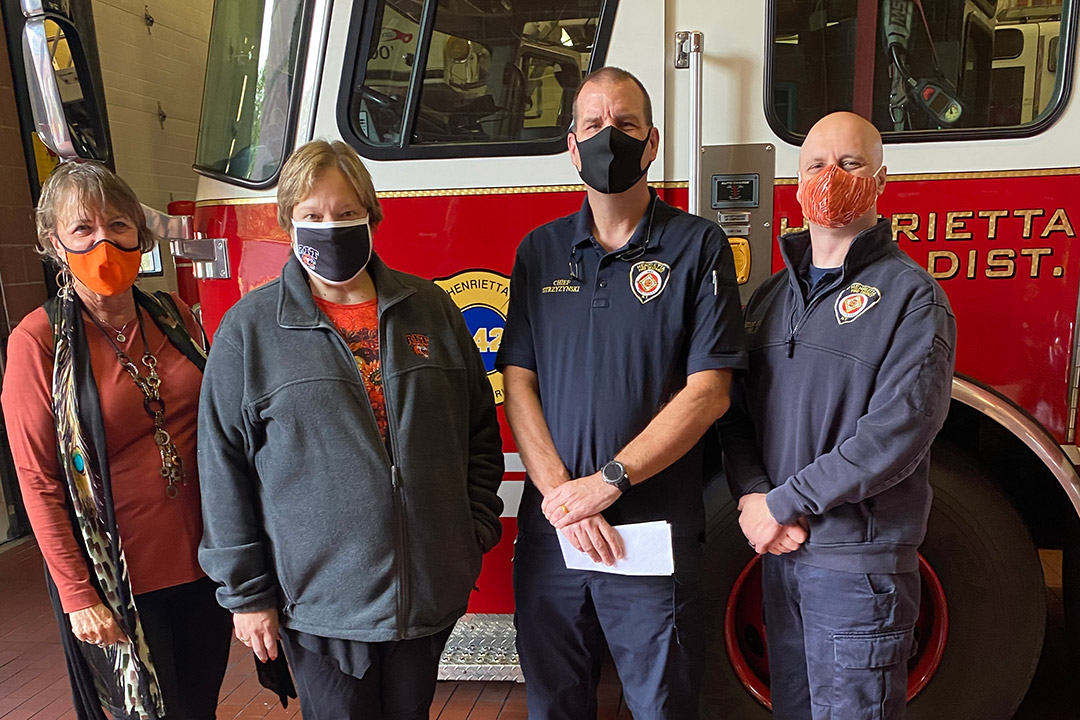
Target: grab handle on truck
point(209, 256)
point(688, 55)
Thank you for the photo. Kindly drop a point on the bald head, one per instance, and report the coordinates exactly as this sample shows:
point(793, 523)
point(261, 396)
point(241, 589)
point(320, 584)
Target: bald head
point(843, 139)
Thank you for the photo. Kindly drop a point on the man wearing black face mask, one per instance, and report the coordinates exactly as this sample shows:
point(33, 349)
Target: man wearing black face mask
point(622, 333)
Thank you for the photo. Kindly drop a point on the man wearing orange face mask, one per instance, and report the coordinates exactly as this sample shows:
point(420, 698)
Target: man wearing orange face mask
point(851, 357)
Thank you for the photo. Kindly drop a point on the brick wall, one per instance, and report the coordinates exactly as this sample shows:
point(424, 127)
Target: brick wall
point(22, 281)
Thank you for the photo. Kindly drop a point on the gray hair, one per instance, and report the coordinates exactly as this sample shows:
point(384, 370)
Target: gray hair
point(76, 186)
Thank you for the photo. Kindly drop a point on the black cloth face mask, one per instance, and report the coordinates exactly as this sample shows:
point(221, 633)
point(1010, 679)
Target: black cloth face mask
point(611, 160)
point(334, 252)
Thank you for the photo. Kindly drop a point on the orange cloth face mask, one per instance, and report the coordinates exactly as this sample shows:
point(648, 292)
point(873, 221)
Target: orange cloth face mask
point(834, 197)
point(105, 268)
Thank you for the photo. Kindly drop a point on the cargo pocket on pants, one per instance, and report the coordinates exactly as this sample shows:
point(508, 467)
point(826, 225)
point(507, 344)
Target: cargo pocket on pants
point(870, 675)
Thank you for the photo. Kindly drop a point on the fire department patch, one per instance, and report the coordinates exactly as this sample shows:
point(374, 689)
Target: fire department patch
point(419, 344)
point(648, 279)
point(855, 301)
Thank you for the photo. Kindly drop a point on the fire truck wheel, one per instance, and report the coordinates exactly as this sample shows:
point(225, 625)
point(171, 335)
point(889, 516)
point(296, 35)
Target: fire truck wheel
point(980, 551)
point(727, 554)
point(983, 554)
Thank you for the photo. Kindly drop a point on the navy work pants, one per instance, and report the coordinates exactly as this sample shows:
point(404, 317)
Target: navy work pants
point(839, 642)
point(654, 628)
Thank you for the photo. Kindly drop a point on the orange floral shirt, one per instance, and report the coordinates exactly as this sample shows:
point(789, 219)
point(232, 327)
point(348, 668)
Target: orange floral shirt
point(359, 326)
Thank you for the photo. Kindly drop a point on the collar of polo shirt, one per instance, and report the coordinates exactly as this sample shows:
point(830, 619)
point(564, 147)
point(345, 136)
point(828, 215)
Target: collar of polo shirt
point(583, 232)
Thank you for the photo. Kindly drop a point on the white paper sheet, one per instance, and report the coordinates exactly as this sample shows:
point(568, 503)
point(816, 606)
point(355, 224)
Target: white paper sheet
point(647, 551)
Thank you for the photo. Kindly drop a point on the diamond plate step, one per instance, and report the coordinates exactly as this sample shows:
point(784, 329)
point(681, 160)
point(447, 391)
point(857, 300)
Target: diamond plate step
point(481, 647)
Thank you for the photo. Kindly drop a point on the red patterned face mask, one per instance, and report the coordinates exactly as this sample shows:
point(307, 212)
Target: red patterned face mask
point(834, 197)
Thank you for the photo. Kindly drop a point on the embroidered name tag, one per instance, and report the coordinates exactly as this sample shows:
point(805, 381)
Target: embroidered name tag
point(561, 286)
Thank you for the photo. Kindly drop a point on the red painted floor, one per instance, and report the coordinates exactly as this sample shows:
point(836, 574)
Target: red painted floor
point(34, 684)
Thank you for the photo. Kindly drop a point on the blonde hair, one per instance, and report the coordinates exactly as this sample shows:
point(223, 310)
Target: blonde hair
point(83, 186)
point(307, 163)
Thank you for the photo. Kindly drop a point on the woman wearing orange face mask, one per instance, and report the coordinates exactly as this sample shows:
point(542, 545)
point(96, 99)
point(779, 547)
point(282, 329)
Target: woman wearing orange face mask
point(100, 397)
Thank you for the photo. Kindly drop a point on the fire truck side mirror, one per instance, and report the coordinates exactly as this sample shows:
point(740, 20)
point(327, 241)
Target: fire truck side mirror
point(45, 101)
point(66, 102)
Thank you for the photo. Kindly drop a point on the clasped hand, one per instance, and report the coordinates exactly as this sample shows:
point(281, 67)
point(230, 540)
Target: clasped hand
point(764, 533)
point(573, 509)
point(576, 500)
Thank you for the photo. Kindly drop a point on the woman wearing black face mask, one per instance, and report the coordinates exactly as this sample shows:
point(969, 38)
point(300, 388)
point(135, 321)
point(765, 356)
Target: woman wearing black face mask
point(349, 435)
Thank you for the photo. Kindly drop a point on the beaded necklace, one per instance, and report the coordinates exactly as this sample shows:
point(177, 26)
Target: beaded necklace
point(172, 465)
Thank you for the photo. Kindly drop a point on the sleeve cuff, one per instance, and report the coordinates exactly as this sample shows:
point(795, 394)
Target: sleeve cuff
point(487, 536)
point(235, 604)
point(717, 361)
point(760, 485)
point(782, 505)
point(84, 598)
point(518, 360)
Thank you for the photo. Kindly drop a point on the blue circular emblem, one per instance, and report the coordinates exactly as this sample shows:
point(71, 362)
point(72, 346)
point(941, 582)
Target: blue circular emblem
point(483, 296)
point(78, 462)
point(486, 326)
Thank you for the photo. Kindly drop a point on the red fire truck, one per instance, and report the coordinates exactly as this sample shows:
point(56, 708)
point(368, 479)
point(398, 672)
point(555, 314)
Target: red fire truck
point(461, 108)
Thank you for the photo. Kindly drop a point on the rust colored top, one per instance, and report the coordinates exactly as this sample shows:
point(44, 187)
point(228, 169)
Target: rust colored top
point(359, 326)
point(160, 536)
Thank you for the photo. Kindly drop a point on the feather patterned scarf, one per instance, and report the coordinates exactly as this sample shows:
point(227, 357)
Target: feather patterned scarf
point(123, 674)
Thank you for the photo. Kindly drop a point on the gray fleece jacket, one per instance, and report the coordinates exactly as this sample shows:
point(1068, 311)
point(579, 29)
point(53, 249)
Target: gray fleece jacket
point(847, 392)
point(305, 508)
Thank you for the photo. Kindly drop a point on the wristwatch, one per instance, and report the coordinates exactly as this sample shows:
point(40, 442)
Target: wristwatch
point(614, 473)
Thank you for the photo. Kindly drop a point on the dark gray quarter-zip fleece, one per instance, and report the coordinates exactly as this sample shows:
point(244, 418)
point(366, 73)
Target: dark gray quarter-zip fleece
point(847, 392)
point(305, 508)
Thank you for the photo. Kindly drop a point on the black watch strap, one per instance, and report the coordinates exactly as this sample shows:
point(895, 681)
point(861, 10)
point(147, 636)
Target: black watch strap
point(614, 473)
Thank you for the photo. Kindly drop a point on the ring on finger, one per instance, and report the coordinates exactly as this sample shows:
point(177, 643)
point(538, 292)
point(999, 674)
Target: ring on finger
point(565, 510)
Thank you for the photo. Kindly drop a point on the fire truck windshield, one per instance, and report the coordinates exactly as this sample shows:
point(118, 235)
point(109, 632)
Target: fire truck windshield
point(495, 75)
point(251, 70)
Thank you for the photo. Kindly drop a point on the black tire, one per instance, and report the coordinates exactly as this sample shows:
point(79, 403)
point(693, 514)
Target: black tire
point(989, 567)
point(1070, 573)
point(723, 696)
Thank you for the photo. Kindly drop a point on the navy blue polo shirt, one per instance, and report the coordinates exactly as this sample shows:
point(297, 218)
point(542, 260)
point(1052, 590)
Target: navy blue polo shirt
point(612, 336)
